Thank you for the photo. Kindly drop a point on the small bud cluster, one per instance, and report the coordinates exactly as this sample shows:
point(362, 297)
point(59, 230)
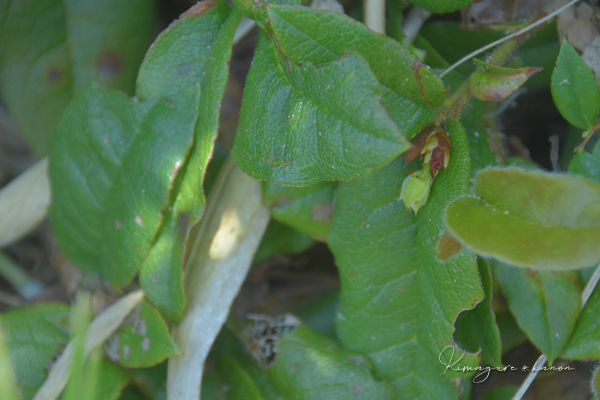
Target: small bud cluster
point(434, 145)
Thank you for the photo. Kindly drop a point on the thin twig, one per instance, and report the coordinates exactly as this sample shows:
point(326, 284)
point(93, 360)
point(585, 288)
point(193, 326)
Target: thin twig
point(19, 279)
point(499, 41)
point(585, 295)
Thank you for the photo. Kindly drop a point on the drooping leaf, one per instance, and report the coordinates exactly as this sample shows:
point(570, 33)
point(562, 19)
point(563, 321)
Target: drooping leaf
point(410, 93)
point(574, 88)
point(545, 304)
point(530, 218)
point(196, 48)
point(510, 333)
point(113, 380)
point(441, 6)
point(153, 380)
point(308, 209)
point(310, 124)
point(143, 341)
point(476, 329)
point(497, 83)
point(398, 302)
point(34, 336)
point(50, 51)
point(584, 343)
point(310, 366)
point(112, 165)
point(587, 165)
point(281, 239)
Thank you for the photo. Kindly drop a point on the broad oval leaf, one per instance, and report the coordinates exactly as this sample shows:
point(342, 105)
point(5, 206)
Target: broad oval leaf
point(497, 83)
point(575, 89)
point(530, 219)
point(143, 340)
point(34, 335)
point(310, 124)
point(545, 304)
point(410, 92)
point(50, 51)
point(398, 301)
point(586, 165)
point(310, 366)
point(111, 167)
point(196, 48)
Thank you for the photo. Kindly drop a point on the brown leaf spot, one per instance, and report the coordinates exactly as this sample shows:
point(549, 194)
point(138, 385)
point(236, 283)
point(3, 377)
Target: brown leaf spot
point(108, 65)
point(322, 212)
point(448, 246)
point(182, 224)
point(54, 74)
point(118, 224)
point(352, 274)
point(400, 286)
point(356, 390)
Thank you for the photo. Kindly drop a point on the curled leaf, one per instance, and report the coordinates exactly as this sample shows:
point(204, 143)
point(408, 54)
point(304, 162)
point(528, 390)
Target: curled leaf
point(497, 83)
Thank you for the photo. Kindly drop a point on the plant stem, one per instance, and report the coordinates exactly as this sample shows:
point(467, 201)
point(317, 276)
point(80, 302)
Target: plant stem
point(585, 295)
point(222, 249)
point(414, 21)
point(499, 41)
point(19, 279)
point(375, 15)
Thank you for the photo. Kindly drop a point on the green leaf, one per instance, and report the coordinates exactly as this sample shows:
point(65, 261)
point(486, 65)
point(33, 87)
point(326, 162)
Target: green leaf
point(574, 88)
point(584, 343)
point(510, 333)
point(530, 219)
point(441, 6)
point(497, 83)
point(34, 335)
point(153, 381)
point(51, 51)
point(112, 165)
point(113, 380)
point(586, 165)
point(476, 329)
point(545, 304)
point(411, 91)
point(303, 124)
point(8, 380)
point(486, 149)
point(143, 341)
point(170, 66)
point(310, 366)
point(308, 209)
point(501, 393)
point(281, 239)
point(398, 302)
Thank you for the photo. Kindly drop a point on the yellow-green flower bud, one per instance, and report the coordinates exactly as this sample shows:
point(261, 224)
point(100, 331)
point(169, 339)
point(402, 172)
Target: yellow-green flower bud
point(415, 189)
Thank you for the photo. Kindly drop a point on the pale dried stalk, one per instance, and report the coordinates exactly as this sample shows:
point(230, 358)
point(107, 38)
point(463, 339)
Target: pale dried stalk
point(375, 15)
point(23, 203)
point(222, 249)
point(98, 331)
